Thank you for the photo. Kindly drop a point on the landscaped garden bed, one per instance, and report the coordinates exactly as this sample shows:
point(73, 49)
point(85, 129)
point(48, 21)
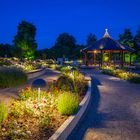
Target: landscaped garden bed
point(38, 114)
point(122, 74)
point(25, 65)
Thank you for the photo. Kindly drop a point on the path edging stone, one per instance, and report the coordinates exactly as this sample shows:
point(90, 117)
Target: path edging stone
point(36, 73)
point(67, 127)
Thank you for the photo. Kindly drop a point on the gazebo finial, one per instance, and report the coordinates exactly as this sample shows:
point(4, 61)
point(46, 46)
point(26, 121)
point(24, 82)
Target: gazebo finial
point(106, 35)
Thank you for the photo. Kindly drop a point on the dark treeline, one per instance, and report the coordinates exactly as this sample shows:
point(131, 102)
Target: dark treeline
point(25, 46)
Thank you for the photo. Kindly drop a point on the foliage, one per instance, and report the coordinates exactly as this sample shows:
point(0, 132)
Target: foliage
point(28, 66)
point(72, 81)
point(127, 38)
point(19, 108)
point(137, 39)
point(78, 81)
point(5, 62)
point(54, 66)
point(6, 50)
point(105, 57)
point(65, 69)
point(34, 113)
point(123, 74)
point(11, 77)
point(29, 93)
point(65, 83)
point(67, 104)
point(91, 39)
point(3, 112)
point(134, 79)
point(25, 39)
point(64, 45)
point(45, 121)
point(137, 43)
point(27, 52)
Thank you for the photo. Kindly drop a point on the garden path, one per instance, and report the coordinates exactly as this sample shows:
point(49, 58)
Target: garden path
point(114, 112)
point(7, 94)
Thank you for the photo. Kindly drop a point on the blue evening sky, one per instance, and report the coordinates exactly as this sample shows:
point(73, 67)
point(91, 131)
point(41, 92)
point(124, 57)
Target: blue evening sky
point(77, 17)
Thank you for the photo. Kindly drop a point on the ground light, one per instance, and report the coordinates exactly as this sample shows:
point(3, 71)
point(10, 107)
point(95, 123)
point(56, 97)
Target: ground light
point(39, 84)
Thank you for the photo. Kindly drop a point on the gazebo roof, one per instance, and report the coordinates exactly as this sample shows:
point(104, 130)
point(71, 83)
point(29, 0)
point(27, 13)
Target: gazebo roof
point(107, 43)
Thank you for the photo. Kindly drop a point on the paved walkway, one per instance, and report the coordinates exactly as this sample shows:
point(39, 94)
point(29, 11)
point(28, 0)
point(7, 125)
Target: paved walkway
point(114, 113)
point(7, 94)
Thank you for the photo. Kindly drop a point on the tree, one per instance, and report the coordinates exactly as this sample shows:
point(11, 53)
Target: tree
point(76, 52)
point(64, 45)
point(137, 42)
point(127, 38)
point(25, 39)
point(137, 39)
point(91, 39)
point(6, 50)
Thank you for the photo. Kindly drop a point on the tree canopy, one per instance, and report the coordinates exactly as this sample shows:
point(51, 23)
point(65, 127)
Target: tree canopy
point(91, 39)
point(137, 39)
point(127, 38)
point(25, 39)
point(64, 45)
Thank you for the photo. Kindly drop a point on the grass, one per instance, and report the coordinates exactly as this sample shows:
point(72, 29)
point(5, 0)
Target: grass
point(3, 112)
point(67, 104)
point(11, 77)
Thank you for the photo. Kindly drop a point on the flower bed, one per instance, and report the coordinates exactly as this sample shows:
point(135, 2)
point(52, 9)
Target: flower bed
point(38, 114)
point(120, 73)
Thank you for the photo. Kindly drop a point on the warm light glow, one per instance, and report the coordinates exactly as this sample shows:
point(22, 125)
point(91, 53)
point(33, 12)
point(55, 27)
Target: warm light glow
point(95, 51)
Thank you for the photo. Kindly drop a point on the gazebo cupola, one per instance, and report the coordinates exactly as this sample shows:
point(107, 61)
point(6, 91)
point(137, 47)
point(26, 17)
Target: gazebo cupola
point(109, 46)
point(106, 35)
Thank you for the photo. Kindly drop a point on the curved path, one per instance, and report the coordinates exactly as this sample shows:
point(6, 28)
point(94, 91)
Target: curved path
point(114, 112)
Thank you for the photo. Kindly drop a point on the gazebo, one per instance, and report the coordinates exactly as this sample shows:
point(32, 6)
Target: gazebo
point(108, 46)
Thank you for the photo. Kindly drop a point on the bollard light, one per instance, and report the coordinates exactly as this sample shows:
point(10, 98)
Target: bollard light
point(39, 84)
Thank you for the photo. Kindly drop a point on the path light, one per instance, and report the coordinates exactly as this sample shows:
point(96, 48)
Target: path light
point(73, 69)
point(38, 84)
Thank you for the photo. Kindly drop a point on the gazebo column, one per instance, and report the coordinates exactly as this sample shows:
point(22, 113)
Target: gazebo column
point(101, 58)
point(113, 57)
point(94, 58)
point(122, 59)
point(130, 58)
point(109, 57)
point(85, 58)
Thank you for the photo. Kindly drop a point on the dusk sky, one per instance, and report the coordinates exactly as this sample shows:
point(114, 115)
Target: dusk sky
point(77, 17)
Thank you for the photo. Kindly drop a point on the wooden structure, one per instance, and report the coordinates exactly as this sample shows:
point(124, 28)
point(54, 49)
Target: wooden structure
point(109, 46)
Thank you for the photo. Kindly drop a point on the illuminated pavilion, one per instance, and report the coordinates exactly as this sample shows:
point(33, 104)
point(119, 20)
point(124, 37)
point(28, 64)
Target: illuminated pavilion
point(113, 49)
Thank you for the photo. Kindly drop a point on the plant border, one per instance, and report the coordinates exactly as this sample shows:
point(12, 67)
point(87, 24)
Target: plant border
point(67, 127)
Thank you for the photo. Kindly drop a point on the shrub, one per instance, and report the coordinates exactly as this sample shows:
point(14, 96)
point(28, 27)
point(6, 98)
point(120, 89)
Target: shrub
point(17, 108)
point(45, 121)
point(11, 77)
point(72, 81)
point(134, 79)
point(123, 74)
point(67, 103)
point(65, 69)
point(107, 71)
point(29, 93)
point(54, 66)
point(65, 83)
point(3, 112)
point(79, 82)
point(31, 66)
point(5, 62)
